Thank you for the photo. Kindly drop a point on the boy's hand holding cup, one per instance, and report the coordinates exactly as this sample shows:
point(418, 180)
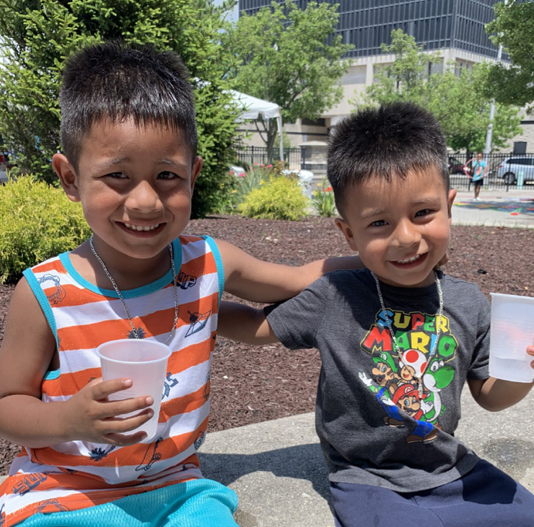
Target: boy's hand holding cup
point(145, 363)
point(123, 407)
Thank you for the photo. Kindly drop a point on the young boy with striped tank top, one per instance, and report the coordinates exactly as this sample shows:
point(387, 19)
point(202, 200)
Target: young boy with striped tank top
point(129, 140)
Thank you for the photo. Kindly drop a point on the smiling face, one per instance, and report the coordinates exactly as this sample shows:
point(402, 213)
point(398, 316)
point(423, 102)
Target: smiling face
point(383, 374)
point(135, 184)
point(410, 404)
point(407, 373)
point(401, 227)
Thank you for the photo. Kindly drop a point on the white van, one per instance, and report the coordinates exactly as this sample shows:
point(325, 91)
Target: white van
point(510, 168)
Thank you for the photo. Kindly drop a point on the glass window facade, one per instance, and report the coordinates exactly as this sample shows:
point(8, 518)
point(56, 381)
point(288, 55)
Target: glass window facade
point(433, 23)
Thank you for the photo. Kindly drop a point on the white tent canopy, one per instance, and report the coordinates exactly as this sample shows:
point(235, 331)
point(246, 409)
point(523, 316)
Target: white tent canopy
point(254, 107)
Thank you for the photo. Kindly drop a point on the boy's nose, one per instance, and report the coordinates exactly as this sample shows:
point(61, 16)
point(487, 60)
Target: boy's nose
point(406, 234)
point(144, 198)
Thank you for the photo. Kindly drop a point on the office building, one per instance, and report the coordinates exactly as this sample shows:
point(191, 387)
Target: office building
point(453, 28)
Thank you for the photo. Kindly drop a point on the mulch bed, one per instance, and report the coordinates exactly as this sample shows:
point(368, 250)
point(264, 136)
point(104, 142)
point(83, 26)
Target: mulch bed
point(253, 384)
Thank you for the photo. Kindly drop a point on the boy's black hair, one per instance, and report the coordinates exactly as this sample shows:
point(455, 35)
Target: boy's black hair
point(114, 81)
point(387, 141)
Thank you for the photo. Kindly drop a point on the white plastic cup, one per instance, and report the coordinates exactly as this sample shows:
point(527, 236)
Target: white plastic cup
point(143, 361)
point(512, 330)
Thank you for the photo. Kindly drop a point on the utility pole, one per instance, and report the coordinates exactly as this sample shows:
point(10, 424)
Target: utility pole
point(489, 133)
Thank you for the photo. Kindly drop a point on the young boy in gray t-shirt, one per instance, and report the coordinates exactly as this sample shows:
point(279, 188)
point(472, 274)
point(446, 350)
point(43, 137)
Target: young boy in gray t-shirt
point(398, 340)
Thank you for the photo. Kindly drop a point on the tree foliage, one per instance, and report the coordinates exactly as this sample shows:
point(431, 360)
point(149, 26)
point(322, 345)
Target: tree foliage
point(37, 35)
point(405, 78)
point(458, 102)
point(513, 27)
point(291, 57)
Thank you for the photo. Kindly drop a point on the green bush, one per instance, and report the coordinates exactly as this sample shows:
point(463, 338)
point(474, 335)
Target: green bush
point(280, 198)
point(244, 184)
point(37, 222)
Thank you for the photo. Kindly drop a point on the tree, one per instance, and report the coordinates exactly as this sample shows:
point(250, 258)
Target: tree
point(37, 35)
point(290, 57)
point(458, 102)
point(405, 78)
point(513, 27)
point(463, 111)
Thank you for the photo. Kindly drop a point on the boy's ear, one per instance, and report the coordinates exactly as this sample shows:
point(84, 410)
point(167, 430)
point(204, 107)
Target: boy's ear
point(67, 176)
point(450, 200)
point(344, 227)
point(197, 167)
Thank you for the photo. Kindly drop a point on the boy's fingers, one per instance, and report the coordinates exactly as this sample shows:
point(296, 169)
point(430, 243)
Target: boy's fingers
point(530, 350)
point(117, 408)
point(101, 389)
point(118, 426)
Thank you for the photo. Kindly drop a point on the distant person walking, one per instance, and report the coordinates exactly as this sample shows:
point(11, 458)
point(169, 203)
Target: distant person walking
point(477, 173)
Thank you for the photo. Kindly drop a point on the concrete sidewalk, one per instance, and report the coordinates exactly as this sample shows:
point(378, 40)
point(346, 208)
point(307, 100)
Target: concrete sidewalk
point(278, 472)
point(496, 208)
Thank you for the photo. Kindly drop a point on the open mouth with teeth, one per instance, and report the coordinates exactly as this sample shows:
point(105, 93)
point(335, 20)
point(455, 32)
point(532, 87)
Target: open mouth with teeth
point(141, 229)
point(413, 261)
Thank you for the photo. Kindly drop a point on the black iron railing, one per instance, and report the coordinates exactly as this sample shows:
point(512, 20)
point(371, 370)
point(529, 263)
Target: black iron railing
point(504, 170)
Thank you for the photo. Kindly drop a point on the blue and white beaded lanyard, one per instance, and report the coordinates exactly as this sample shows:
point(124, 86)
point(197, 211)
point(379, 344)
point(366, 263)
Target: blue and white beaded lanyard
point(395, 344)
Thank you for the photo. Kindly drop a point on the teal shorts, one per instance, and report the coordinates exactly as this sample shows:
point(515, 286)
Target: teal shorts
point(196, 503)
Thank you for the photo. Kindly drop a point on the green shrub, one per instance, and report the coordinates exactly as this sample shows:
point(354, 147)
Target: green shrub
point(244, 184)
point(280, 198)
point(37, 222)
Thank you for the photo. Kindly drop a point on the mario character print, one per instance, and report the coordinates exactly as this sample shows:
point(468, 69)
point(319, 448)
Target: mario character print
point(411, 366)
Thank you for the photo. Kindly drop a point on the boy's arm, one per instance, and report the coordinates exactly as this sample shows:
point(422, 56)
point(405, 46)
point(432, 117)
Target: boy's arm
point(25, 356)
point(259, 281)
point(244, 324)
point(495, 394)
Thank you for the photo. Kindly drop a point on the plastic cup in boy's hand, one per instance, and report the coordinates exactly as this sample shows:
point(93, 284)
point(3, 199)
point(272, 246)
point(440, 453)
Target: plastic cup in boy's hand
point(145, 363)
point(512, 331)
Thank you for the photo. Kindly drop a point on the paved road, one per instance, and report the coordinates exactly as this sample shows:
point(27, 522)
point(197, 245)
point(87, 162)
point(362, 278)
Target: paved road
point(495, 208)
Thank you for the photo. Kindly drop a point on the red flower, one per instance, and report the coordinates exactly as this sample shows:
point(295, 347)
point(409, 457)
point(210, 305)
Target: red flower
point(328, 189)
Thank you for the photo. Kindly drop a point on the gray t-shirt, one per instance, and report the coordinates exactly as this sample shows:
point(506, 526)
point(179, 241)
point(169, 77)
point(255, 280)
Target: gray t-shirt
point(375, 427)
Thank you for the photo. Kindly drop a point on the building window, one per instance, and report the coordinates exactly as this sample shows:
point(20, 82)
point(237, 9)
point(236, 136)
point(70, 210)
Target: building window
point(316, 122)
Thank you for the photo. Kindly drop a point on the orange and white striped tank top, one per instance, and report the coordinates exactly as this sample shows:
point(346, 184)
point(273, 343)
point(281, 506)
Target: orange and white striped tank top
point(79, 474)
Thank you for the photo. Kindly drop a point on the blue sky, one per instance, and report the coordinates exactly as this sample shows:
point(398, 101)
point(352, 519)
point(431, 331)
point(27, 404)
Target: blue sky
point(235, 14)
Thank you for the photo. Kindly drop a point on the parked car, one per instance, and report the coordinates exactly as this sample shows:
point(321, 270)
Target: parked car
point(510, 168)
point(455, 166)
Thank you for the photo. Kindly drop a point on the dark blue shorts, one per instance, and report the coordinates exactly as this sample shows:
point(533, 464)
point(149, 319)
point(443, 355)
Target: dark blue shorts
point(485, 497)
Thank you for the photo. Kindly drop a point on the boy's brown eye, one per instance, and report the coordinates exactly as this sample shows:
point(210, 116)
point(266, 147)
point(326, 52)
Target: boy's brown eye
point(117, 175)
point(167, 175)
point(378, 223)
point(423, 212)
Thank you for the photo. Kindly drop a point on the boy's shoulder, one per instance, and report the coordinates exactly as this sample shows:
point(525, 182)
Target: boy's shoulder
point(343, 277)
point(50, 264)
point(351, 284)
point(463, 288)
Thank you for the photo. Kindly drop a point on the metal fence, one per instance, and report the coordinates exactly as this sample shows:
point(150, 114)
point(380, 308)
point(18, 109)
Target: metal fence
point(257, 155)
point(504, 170)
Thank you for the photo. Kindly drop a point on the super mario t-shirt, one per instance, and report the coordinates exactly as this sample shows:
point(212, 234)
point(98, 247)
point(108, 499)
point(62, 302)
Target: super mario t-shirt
point(386, 414)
